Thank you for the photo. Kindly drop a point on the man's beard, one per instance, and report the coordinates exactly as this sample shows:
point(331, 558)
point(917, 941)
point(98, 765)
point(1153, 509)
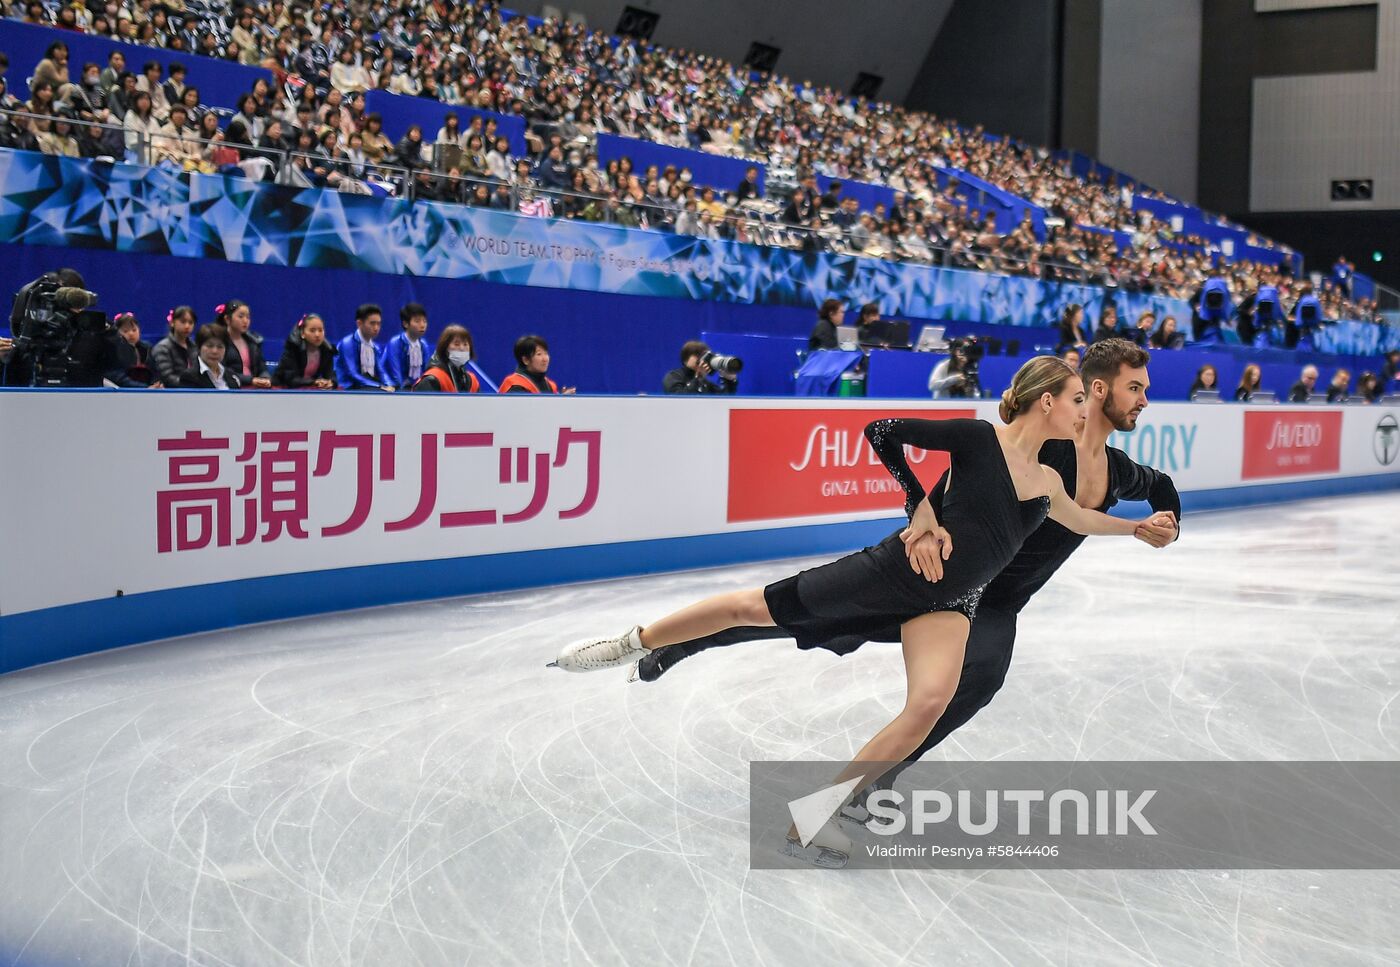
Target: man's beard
point(1122, 420)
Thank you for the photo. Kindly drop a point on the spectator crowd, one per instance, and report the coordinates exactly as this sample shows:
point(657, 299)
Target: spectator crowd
point(309, 126)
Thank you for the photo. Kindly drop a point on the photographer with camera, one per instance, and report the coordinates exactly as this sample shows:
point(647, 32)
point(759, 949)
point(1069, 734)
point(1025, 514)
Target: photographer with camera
point(956, 376)
point(58, 339)
point(697, 363)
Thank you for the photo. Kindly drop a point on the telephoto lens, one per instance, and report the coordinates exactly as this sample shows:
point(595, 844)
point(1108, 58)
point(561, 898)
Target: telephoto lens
point(730, 365)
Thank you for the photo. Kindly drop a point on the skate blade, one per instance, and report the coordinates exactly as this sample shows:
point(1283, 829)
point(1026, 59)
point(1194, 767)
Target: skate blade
point(818, 856)
point(553, 664)
point(635, 675)
point(853, 819)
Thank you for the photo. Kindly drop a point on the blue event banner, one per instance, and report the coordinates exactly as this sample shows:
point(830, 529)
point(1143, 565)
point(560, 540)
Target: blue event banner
point(50, 200)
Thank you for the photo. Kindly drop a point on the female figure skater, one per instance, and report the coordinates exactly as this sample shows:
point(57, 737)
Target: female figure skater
point(997, 494)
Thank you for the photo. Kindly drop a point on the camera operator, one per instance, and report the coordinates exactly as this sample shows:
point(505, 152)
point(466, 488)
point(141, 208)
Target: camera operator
point(698, 362)
point(956, 376)
point(58, 340)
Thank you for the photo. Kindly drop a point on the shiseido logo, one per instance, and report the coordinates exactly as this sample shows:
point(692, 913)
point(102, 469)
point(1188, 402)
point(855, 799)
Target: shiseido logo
point(1294, 436)
point(1386, 442)
point(842, 448)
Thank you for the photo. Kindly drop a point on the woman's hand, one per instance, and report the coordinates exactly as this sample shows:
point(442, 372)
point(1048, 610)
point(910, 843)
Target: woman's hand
point(262, 382)
point(928, 552)
point(927, 543)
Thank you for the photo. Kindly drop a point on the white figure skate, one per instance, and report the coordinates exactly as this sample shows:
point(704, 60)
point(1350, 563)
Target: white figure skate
point(830, 849)
point(594, 654)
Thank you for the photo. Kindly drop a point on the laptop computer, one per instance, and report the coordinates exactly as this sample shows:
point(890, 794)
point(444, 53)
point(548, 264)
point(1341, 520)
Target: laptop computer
point(1263, 396)
point(931, 340)
point(891, 333)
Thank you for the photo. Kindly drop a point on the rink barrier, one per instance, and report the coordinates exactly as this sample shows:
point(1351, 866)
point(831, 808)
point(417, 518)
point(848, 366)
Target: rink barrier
point(111, 540)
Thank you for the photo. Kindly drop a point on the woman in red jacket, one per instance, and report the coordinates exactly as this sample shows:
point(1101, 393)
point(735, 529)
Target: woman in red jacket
point(447, 371)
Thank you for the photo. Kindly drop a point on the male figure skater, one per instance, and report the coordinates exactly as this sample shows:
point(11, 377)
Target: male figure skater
point(1095, 476)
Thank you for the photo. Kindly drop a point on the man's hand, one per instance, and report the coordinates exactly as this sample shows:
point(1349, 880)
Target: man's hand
point(702, 368)
point(568, 391)
point(1159, 530)
point(7, 346)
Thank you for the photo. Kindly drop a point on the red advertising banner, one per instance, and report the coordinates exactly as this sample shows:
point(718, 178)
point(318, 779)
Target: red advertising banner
point(805, 463)
point(1291, 443)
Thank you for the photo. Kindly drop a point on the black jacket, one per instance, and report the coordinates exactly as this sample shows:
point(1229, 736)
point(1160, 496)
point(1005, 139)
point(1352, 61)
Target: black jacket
point(257, 364)
point(823, 336)
point(1299, 393)
point(686, 381)
point(1071, 334)
point(173, 360)
point(199, 379)
point(130, 366)
point(291, 368)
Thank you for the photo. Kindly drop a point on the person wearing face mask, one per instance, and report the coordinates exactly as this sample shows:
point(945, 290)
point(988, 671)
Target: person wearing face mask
point(308, 360)
point(447, 371)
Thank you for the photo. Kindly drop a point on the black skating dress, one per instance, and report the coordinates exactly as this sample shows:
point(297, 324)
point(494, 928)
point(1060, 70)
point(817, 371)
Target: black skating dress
point(873, 589)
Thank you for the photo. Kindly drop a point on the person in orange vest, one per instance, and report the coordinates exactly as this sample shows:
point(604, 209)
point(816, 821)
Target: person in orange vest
point(447, 371)
point(532, 363)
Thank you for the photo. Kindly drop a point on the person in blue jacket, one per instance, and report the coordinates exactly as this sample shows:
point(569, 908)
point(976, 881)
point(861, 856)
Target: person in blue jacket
point(359, 362)
point(406, 359)
point(1213, 309)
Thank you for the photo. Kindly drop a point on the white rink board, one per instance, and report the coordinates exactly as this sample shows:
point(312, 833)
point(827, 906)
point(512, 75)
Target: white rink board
point(86, 514)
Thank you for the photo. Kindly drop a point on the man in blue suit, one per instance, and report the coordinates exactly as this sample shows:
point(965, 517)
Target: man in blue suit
point(360, 363)
point(407, 356)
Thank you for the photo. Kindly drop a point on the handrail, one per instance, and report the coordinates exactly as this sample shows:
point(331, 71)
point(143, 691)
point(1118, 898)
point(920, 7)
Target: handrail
point(347, 169)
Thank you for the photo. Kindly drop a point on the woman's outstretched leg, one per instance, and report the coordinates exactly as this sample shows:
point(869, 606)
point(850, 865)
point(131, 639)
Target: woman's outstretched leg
point(734, 609)
point(730, 610)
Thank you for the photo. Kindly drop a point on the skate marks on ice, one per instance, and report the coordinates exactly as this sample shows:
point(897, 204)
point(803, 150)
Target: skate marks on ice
point(409, 785)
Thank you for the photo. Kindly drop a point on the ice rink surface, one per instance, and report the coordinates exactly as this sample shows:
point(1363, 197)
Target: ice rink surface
point(410, 785)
